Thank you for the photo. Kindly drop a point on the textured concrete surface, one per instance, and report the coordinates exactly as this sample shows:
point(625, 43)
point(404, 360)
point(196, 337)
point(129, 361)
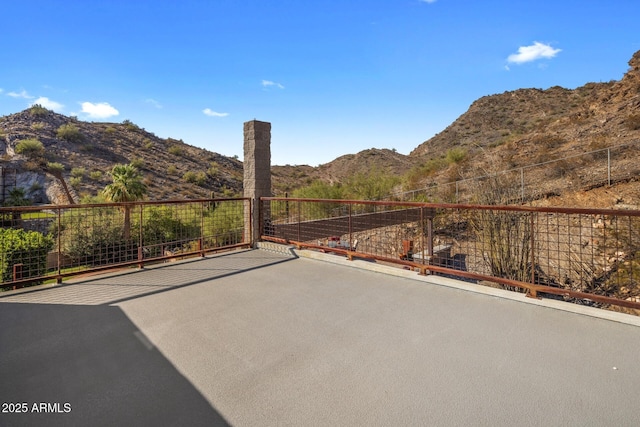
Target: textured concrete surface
point(268, 339)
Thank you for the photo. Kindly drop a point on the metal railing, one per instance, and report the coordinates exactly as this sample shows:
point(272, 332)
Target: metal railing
point(588, 256)
point(52, 242)
point(579, 171)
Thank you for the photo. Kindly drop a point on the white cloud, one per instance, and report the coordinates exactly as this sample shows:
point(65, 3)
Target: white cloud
point(48, 104)
point(268, 83)
point(428, 1)
point(22, 94)
point(154, 103)
point(209, 112)
point(1, 90)
point(101, 110)
point(532, 53)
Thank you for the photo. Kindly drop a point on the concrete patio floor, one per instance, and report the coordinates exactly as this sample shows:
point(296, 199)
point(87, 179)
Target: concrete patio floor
point(258, 338)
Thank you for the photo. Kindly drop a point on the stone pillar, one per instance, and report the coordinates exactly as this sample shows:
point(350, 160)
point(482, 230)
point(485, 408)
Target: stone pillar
point(257, 172)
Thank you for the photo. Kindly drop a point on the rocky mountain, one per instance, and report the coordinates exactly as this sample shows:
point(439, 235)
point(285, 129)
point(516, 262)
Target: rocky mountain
point(517, 129)
point(532, 125)
point(87, 151)
point(287, 178)
point(498, 132)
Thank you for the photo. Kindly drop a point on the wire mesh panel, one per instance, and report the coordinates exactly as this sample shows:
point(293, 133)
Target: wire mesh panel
point(41, 242)
point(576, 254)
point(25, 243)
point(171, 229)
point(223, 223)
point(88, 237)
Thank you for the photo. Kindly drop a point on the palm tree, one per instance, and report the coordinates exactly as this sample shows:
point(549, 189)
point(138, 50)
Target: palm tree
point(127, 186)
point(17, 197)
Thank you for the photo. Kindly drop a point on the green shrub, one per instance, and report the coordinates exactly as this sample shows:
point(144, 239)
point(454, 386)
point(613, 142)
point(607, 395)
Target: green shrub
point(28, 248)
point(222, 224)
point(373, 185)
point(130, 125)
point(37, 126)
point(95, 175)
point(198, 178)
point(172, 170)
point(55, 167)
point(75, 181)
point(417, 174)
point(228, 192)
point(110, 130)
point(213, 170)
point(137, 163)
point(201, 178)
point(189, 176)
point(93, 236)
point(89, 199)
point(176, 150)
point(69, 132)
point(163, 224)
point(17, 197)
point(31, 148)
point(320, 190)
point(455, 155)
point(78, 172)
point(38, 110)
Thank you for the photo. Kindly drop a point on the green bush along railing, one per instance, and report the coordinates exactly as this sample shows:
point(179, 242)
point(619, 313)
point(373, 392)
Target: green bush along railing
point(27, 249)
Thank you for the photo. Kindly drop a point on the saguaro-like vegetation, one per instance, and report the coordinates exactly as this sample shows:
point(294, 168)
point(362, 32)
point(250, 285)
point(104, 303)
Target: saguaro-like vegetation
point(127, 186)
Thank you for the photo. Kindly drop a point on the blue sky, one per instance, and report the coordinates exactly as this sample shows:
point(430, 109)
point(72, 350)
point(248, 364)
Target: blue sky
point(332, 77)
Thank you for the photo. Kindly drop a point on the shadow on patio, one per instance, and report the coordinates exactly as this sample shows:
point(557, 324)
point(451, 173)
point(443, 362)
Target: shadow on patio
point(93, 362)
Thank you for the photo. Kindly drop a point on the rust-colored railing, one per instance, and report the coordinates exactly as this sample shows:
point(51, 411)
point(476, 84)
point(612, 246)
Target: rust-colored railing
point(53, 242)
point(588, 256)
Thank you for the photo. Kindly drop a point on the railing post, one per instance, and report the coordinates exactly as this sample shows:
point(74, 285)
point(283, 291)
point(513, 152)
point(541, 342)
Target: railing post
point(350, 229)
point(59, 278)
point(286, 206)
point(532, 292)
point(140, 240)
point(17, 272)
point(422, 231)
point(201, 240)
point(299, 220)
point(430, 235)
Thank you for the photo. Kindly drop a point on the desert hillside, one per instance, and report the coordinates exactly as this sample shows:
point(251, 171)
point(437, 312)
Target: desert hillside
point(87, 151)
point(498, 132)
point(528, 126)
point(557, 137)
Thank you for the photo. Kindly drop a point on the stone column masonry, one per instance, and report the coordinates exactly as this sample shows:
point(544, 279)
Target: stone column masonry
point(257, 172)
